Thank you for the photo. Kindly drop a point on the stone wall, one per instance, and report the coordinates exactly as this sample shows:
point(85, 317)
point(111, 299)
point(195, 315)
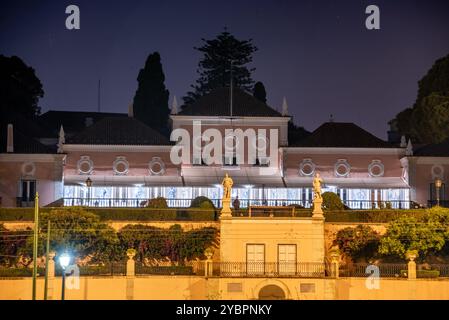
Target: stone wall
point(201, 288)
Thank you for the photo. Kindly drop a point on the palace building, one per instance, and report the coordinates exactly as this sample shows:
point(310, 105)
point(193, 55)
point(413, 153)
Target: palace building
point(115, 160)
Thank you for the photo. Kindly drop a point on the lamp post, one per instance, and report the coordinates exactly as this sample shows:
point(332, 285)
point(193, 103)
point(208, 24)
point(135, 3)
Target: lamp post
point(438, 184)
point(89, 185)
point(64, 261)
point(35, 243)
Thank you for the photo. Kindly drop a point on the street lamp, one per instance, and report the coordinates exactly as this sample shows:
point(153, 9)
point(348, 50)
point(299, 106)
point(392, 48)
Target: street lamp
point(88, 184)
point(438, 184)
point(64, 261)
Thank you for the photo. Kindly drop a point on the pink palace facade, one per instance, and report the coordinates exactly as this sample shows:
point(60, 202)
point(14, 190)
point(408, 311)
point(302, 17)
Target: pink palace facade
point(127, 162)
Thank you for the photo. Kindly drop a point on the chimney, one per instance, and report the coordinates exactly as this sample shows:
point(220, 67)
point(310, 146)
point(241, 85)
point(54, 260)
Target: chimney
point(10, 139)
point(131, 110)
point(284, 107)
point(174, 106)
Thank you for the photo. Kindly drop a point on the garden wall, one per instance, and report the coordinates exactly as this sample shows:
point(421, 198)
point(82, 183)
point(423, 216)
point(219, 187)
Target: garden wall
point(201, 288)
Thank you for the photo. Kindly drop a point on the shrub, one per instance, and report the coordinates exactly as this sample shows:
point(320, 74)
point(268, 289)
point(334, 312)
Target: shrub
point(359, 242)
point(332, 202)
point(11, 243)
point(202, 202)
point(19, 272)
point(206, 209)
point(173, 243)
point(425, 235)
point(423, 273)
point(372, 216)
point(296, 206)
point(19, 214)
point(157, 203)
point(77, 231)
point(164, 270)
point(164, 213)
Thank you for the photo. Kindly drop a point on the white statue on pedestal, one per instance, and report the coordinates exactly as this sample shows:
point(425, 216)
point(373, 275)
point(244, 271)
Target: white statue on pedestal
point(227, 188)
point(317, 198)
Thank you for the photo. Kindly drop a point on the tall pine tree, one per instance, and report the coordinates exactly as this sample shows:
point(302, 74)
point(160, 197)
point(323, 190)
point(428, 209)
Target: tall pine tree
point(151, 99)
point(214, 68)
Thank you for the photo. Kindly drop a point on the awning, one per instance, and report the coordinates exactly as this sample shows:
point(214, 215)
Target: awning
point(129, 181)
point(241, 176)
point(361, 183)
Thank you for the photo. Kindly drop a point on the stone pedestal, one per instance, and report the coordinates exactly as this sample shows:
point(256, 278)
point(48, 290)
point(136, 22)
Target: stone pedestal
point(317, 212)
point(130, 272)
point(130, 264)
point(51, 275)
point(208, 270)
point(335, 263)
point(411, 270)
point(411, 256)
point(226, 210)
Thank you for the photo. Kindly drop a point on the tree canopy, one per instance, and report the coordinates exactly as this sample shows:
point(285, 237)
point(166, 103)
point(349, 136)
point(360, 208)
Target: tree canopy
point(359, 243)
point(408, 233)
point(75, 230)
point(151, 99)
point(222, 55)
point(20, 88)
point(427, 121)
point(85, 236)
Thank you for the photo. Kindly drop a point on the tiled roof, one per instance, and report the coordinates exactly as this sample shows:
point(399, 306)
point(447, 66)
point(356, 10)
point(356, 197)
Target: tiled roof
point(73, 121)
point(342, 135)
point(434, 150)
point(217, 103)
point(22, 142)
point(31, 127)
point(119, 131)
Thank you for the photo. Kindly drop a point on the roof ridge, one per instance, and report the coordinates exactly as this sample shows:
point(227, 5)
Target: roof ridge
point(344, 135)
point(119, 130)
point(217, 103)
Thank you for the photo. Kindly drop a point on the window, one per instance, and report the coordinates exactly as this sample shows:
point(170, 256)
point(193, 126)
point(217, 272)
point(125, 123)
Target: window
point(287, 258)
point(230, 161)
point(28, 191)
point(255, 259)
point(198, 161)
point(262, 162)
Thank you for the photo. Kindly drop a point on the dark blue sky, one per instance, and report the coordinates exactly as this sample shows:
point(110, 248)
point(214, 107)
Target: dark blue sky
point(316, 53)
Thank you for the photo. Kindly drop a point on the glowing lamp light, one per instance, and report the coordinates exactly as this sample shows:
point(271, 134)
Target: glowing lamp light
point(64, 260)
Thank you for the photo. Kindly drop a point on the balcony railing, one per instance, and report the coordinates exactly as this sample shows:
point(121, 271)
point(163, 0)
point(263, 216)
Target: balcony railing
point(244, 203)
point(269, 269)
point(386, 270)
point(188, 268)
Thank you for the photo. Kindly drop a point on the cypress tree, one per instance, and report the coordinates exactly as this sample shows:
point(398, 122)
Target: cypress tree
point(259, 92)
point(151, 99)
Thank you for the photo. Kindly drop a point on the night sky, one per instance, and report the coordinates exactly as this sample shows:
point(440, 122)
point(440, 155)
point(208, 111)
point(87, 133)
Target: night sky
point(318, 54)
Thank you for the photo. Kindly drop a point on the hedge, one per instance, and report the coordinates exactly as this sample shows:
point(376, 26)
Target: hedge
point(20, 272)
point(375, 216)
point(19, 214)
point(164, 270)
point(122, 214)
point(423, 273)
point(200, 214)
